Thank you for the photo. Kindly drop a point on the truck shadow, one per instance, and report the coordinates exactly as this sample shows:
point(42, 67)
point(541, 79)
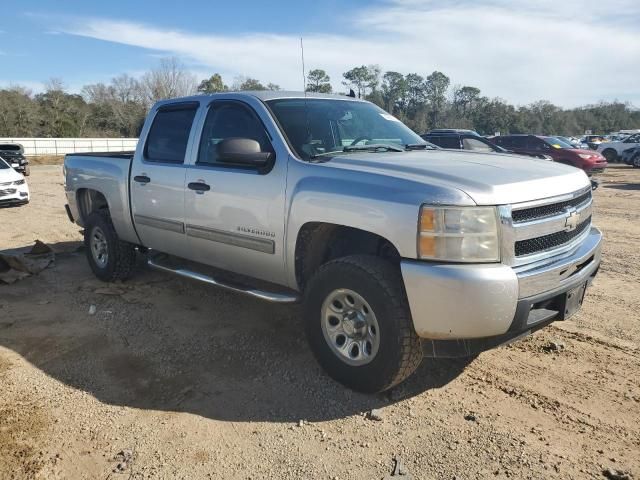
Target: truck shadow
point(162, 343)
point(624, 186)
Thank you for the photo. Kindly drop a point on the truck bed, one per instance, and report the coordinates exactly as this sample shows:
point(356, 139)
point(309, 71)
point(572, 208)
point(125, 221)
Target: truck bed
point(124, 154)
point(101, 174)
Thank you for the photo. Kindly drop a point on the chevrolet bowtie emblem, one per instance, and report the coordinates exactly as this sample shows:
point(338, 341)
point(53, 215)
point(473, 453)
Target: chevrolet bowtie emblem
point(571, 221)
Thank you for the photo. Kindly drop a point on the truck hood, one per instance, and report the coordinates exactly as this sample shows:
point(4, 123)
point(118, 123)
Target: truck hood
point(488, 178)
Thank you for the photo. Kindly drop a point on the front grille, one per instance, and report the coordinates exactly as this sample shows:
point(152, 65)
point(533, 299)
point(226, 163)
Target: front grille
point(8, 191)
point(548, 242)
point(5, 184)
point(535, 213)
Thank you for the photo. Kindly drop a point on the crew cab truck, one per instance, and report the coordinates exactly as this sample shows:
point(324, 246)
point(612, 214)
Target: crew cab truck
point(397, 249)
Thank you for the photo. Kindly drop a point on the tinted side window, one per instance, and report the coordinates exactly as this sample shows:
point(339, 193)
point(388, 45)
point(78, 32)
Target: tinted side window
point(169, 134)
point(475, 144)
point(446, 141)
point(519, 143)
point(534, 143)
point(504, 142)
point(230, 120)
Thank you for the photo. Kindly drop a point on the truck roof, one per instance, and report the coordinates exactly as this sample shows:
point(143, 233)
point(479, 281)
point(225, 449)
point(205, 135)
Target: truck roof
point(263, 95)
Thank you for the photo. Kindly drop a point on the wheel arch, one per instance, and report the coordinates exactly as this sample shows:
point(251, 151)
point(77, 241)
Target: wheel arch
point(320, 242)
point(90, 200)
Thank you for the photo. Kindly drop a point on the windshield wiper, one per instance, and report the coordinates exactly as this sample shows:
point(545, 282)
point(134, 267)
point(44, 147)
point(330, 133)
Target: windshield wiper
point(374, 147)
point(421, 146)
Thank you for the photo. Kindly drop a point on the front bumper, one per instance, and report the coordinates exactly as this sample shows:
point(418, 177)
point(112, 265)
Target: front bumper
point(454, 302)
point(19, 195)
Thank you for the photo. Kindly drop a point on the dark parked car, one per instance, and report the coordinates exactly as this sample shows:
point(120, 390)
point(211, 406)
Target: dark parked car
point(468, 140)
point(13, 154)
point(560, 151)
point(631, 156)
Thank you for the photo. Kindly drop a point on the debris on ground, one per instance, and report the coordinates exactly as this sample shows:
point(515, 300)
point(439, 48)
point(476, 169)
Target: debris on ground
point(376, 415)
point(92, 310)
point(554, 346)
point(399, 470)
point(471, 417)
point(613, 474)
point(17, 264)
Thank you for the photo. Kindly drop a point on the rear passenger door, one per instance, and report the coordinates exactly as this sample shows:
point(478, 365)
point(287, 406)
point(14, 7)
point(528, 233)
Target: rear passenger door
point(158, 176)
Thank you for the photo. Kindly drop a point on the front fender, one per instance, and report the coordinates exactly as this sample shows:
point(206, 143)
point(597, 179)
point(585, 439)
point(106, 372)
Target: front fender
point(384, 206)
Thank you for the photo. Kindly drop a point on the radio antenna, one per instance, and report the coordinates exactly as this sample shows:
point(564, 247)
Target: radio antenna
point(304, 76)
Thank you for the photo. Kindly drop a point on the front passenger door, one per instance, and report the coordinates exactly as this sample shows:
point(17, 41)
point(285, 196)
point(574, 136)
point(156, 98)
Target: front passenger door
point(235, 214)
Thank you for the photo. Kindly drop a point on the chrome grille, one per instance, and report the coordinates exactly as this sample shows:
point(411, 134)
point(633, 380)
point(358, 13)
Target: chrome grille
point(8, 191)
point(535, 231)
point(549, 242)
point(542, 211)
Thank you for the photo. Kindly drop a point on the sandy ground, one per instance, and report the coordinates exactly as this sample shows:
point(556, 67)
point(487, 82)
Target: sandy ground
point(171, 379)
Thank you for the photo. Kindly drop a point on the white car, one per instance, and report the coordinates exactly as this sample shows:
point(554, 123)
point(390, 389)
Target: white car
point(612, 150)
point(13, 187)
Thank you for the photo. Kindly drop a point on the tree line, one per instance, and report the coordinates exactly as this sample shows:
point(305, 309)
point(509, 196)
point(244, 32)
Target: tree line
point(118, 108)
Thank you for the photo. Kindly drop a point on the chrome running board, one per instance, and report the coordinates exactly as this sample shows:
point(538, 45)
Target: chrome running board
point(273, 297)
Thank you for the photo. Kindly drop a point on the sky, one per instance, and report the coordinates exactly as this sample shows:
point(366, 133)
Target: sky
point(570, 52)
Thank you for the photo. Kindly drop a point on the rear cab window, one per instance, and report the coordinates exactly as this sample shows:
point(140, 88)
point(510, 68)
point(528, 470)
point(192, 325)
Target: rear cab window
point(168, 136)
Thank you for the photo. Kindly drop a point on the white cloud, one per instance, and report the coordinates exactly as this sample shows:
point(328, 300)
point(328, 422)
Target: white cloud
point(569, 52)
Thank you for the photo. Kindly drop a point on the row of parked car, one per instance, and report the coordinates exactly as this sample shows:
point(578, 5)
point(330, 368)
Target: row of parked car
point(537, 146)
point(559, 149)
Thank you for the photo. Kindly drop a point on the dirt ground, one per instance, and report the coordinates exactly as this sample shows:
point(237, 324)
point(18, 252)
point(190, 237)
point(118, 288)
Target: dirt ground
point(172, 379)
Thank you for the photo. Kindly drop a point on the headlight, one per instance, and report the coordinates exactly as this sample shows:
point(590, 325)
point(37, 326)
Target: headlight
point(585, 155)
point(19, 182)
point(458, 234)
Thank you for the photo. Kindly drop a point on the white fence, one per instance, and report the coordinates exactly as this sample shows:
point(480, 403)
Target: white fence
point(60, 146)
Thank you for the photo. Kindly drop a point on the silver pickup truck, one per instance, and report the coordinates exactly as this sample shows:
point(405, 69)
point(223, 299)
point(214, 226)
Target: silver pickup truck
point(397, 249)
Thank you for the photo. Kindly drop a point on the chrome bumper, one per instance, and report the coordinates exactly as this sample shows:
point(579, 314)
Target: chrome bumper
point(450, 301)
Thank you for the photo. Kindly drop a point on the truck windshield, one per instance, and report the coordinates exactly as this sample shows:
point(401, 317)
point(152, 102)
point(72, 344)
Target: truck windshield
point(316, 127)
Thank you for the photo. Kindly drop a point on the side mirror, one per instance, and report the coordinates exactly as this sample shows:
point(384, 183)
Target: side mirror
point(242, 151)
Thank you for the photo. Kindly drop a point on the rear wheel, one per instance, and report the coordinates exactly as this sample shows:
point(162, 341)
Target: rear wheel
point(636, 161)
point(27, 171)
point(611, 155)
point(109, 257)
point(359, 324)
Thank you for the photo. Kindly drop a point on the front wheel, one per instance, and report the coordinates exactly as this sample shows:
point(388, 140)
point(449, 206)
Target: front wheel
point(109, 257)
point(636, 161)
point(359, 324)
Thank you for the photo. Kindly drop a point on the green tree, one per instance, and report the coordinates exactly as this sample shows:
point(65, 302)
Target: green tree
point(394, 91)
point(363, 79)
point(213, 84)
point(247, 83)
point(436, 86)
point(318, 81)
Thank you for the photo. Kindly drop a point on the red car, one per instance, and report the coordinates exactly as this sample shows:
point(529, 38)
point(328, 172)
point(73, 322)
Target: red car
point(561, 152)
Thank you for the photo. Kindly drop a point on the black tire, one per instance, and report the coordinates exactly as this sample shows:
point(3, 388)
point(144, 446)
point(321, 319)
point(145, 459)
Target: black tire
point(380, 283)
point(636, 161)
point(610, 154)
point(27, 171)
point(121, 257)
